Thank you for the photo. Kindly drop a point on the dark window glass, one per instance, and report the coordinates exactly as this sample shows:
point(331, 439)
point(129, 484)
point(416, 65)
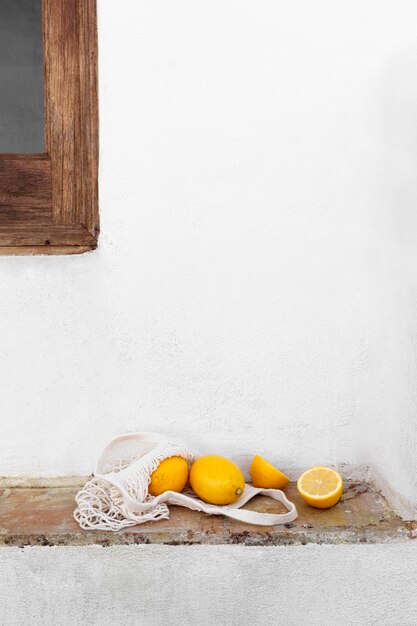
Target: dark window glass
point(21, 76)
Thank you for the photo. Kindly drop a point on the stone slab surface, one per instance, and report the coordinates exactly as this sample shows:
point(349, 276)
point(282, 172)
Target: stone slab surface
point(43, 516)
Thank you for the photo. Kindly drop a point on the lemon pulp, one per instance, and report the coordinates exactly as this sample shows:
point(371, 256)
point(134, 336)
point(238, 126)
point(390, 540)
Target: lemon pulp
point(321, 487)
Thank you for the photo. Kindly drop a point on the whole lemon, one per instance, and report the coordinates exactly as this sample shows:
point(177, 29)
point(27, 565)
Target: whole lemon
point(216, 480)
point(170, 475)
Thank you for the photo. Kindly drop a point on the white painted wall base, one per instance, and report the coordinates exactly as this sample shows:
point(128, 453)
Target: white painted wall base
point(255, 286)
point(313, 585)
point(404, 506)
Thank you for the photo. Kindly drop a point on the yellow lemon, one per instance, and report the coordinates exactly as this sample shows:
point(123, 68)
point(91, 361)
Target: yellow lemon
point(216, 480)
point(265, 475)
point(170, 475)
point(321, 487)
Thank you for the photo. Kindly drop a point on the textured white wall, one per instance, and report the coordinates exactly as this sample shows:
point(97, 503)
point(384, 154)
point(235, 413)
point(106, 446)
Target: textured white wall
point(227, 585)
point(255, 289)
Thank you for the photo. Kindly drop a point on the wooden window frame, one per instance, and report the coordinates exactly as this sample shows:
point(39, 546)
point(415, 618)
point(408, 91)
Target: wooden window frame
point(49, 202)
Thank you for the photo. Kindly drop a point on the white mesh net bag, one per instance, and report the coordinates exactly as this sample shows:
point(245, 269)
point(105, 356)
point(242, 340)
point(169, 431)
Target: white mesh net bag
point(117, 496)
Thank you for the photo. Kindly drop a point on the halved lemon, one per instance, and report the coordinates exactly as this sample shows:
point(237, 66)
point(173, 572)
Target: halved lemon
point(265, 475)
point(320, 487)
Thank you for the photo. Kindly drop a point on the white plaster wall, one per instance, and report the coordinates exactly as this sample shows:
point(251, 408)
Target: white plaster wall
point(357, 585)
point(255, 288)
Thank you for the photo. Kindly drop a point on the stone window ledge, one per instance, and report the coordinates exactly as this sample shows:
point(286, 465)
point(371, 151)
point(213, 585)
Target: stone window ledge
point(42, 516)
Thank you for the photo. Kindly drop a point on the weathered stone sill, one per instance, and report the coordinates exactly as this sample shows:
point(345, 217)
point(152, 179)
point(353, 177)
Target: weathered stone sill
point(43, 517)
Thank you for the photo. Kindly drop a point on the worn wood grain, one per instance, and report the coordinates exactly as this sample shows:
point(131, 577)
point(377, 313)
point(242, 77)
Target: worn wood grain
point(52, 235)
point(29, 215)
point(87, 208)
point(44, 250)
point(71, 109)
point(50, 201)
point(25, 180)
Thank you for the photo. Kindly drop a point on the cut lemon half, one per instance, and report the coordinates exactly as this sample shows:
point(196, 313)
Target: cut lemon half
point(321, 487)
point(265, 475)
